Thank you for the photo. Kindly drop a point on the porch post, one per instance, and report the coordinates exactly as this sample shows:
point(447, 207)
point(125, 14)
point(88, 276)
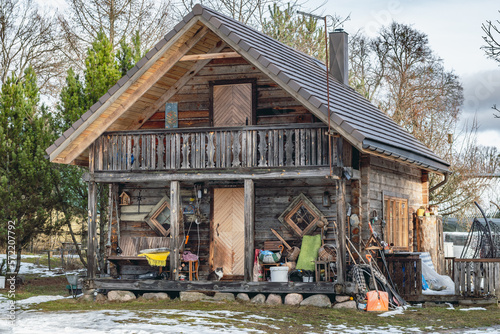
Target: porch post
point(92, 212)
point(341, 222)
point(249, 228)
point(175, 224)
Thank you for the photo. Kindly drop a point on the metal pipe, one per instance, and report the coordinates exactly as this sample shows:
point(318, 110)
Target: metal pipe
point(442, 183)
point(327, 87)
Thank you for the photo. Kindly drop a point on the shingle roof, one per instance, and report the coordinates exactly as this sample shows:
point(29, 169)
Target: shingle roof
point(352, 115)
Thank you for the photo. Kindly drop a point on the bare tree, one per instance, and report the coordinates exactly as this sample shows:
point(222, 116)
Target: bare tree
point(28, 38)
point(118, 19)
point(250, 12)
point(472, 168)
point(492, 39)
point(399, 72)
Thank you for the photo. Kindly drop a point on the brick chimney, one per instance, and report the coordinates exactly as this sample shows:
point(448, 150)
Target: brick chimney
point(339, 57)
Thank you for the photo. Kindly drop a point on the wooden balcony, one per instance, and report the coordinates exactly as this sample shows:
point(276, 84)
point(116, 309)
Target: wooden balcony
point(304, 145)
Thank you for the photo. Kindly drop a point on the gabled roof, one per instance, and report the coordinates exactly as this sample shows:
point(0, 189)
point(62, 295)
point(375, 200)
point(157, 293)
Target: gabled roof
point(355, 118)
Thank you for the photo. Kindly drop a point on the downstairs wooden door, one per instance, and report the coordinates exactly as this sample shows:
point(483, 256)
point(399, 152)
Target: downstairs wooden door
point(228, 243)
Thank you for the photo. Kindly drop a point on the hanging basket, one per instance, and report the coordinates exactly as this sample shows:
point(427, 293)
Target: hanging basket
point(328, 253)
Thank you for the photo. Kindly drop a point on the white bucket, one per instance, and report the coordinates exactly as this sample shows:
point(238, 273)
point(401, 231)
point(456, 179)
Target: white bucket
point(2, 282)
point(279, 274)
point(307, 279)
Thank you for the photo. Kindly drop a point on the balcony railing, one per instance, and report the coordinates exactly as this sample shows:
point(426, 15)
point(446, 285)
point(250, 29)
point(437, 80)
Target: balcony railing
point(213, 148)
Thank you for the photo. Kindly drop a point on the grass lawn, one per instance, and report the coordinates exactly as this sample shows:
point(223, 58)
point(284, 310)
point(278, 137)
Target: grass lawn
point(301, 319)
point(272, 319)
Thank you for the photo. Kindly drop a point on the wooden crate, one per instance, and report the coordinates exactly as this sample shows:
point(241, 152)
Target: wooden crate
point(406, 273)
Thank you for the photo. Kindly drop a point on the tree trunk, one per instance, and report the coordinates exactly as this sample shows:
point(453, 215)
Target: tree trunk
point(73, 238)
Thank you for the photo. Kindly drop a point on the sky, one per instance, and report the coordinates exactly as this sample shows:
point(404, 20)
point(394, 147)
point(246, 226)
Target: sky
point(455, 35)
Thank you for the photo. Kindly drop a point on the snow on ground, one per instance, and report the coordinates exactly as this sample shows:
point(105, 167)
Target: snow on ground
point(38, 269)
point(170, 321)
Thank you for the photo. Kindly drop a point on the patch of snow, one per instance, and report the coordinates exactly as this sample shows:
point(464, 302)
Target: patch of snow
point(38, 269)
point(450, 307)
point(38, 300)
point(398, 310)
point(473, 309)
point(125, 322)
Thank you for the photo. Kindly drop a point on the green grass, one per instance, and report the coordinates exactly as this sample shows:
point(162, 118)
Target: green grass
point(300, 319)
point(289, 319)
point(36, 286)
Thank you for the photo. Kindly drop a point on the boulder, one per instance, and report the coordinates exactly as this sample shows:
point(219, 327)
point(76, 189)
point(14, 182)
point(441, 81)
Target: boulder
point(87, 298)
point(274, 299)
point(100, 298)
point(347, 304)
point(242, 297)
point(120, 296)
point(317, 300)
point(156, 296)
point(259, 299)
point(224, 296)
point(293, 299)
point(188, 296)
point(341, 299)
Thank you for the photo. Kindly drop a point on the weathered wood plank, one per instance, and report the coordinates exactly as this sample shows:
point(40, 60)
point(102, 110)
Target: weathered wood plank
point(249, 221)
point(175, 228)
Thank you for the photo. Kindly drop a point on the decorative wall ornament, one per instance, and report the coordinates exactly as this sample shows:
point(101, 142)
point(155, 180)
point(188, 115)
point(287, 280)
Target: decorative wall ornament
point(301, 216)
point(124, 198)
point(159, 216)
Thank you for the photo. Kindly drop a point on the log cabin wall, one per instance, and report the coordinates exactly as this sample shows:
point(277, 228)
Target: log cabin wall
point(274, 105)
point(272, 198)
point(380, 175)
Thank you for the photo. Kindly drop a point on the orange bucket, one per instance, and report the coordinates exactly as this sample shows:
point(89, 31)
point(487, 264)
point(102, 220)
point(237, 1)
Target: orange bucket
point(378, 301)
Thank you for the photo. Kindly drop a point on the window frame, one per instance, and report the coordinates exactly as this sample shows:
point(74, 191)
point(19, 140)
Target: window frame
point(398, 235)
point(211, 84)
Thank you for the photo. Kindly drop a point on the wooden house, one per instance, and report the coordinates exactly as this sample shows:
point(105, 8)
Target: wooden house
point(217, 131)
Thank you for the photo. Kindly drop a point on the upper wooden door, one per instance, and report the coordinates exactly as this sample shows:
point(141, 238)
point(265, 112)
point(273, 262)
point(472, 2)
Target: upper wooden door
point(228, 247)
point(232, 104)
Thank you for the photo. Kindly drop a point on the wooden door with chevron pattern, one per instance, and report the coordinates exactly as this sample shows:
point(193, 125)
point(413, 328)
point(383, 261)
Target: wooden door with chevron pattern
point(232, 105)
point(228, 245)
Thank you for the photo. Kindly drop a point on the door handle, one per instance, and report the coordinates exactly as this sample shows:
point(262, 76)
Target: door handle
point(217, 229)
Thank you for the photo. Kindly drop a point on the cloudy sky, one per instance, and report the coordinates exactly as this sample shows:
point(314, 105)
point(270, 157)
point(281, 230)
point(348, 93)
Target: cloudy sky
point(455, 34)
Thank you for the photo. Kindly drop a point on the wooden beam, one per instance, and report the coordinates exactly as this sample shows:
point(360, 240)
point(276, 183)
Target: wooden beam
point(151, 110)
point(160, 72)
point(249, 222)
point(198, 175)
point(54, 156)
point(211, 56)
point(341, 225)
point(92, 237)
point(175, 227)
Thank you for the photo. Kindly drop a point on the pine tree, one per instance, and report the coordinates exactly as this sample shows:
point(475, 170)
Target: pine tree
point(26, 176)
point(101, 71)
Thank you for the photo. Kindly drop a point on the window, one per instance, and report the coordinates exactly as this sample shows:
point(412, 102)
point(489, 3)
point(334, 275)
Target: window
point(301, 216)
point(159, 217)
point(233, 103)
point(397, 222)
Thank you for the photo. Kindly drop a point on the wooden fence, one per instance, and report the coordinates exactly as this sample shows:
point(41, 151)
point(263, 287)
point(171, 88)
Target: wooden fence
point(477, 277)
point(257, 146)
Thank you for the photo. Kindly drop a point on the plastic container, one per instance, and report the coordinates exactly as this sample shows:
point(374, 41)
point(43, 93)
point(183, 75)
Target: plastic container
point(2, 282)
point(307, 279)
point(279, 274)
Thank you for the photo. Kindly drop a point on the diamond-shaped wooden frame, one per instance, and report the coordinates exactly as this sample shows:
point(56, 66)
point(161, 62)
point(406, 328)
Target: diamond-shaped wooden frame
point(152, 216)
point(297, 203)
